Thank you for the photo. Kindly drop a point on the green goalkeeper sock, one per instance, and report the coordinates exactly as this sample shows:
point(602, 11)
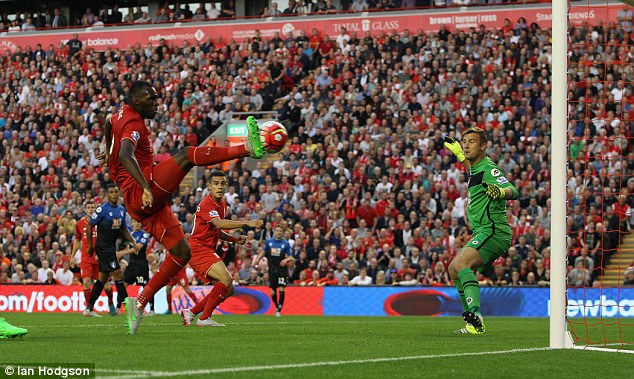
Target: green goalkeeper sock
point(471, 289)
point(460, 289)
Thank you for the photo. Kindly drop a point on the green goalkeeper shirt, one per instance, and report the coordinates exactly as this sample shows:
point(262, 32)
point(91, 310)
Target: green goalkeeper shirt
point(483, 211)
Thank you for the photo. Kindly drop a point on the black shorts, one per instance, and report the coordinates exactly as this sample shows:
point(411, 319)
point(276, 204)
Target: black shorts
point(108, 261)
point(277, 279)
point(135, 274)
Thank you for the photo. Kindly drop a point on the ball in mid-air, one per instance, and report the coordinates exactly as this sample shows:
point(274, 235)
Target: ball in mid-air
point(275, 136)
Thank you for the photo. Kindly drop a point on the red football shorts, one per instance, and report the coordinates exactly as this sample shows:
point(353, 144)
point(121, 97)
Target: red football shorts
point(89, 270)
point(159, 220)
point(203, 258)
point(180, 279)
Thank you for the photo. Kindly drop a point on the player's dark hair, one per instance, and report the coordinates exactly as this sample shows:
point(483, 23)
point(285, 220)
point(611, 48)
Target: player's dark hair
point(112, 185)
point(89, 202)
point(479, 132)
point(137, 88)
point(217, 173)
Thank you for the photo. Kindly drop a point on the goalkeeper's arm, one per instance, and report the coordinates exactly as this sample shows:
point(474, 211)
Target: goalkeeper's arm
point(508, 192)
point(454, 146)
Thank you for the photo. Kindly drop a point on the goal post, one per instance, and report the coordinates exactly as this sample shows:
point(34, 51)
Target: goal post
point(559, 159)
point(591, 65)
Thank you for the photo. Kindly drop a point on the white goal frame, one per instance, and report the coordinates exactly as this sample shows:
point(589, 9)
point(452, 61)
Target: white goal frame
point(559, 336)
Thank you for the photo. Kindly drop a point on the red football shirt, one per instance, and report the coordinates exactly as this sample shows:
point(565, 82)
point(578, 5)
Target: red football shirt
point(80, 234)
point(204, 233)
point(368, 214)
point(128, 124)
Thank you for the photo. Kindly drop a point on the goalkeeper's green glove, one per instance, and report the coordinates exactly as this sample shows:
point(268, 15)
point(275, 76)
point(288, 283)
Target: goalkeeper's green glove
point(454, 146)
point(494, 191)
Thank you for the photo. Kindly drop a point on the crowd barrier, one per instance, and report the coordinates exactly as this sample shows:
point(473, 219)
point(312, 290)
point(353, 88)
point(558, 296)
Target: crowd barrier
point(345, 301)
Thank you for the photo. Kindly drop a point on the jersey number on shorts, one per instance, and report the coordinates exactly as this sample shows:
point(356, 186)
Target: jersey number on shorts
point(281, 281)
point(140, 280)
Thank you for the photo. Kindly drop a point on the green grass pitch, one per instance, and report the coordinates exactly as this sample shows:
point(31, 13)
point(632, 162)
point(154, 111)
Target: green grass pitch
point(305, 347)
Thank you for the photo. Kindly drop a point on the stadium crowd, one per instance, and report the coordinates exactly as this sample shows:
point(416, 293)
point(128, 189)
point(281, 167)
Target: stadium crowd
point(214, 10)
point(365, 189)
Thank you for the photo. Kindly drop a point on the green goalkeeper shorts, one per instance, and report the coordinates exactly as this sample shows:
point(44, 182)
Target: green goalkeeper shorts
point(491, 245)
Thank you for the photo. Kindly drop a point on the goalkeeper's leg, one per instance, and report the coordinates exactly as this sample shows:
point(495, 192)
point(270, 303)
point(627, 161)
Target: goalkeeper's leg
point(461, 271)
point(463, 299)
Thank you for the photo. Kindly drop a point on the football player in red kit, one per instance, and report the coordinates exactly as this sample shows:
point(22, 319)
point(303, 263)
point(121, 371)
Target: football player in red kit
point(88, 266)
point(147, 187)
point(209, 223)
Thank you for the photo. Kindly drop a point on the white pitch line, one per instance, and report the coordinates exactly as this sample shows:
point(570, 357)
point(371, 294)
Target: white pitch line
point(604, 349)
point(232, 323)
point(121, 325)
point(133, 372)
point(164, 374)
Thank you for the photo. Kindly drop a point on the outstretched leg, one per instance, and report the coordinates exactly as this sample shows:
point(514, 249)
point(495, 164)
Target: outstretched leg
point(209, 155)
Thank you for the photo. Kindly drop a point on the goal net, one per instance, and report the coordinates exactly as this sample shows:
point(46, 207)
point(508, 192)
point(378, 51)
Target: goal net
point(600, 178)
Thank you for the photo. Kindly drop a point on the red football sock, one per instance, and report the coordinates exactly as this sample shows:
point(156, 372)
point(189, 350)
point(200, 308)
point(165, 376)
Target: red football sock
point(200, 306)
point(166, 272)
point(169, 301)
point(87, 294)
point(192, 296)
point(210, 155)
point(215, 297)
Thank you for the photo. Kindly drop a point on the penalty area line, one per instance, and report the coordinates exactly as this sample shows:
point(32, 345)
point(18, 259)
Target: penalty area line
point(164, 374)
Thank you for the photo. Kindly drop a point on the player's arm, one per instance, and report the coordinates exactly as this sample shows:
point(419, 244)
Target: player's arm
point(219, 223)
point(107, 132)
point(498, 187)
point(376, 222)
point(240, 240)
point(94, 220)
point(89, 226)
point(129, 238)
point(454, 146)
point(129, 162)
point(76, 246)
point(76, 241)
point(286, 260)
point(144, 241)
point(130, 250)
point(494, 191)
point(287, 252)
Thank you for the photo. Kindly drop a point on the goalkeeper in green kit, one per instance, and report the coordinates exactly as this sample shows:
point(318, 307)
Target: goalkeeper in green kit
point(488, 192)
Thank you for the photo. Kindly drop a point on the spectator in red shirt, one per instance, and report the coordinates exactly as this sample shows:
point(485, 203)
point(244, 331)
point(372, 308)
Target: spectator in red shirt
point(400, 274)
point(368, 214)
